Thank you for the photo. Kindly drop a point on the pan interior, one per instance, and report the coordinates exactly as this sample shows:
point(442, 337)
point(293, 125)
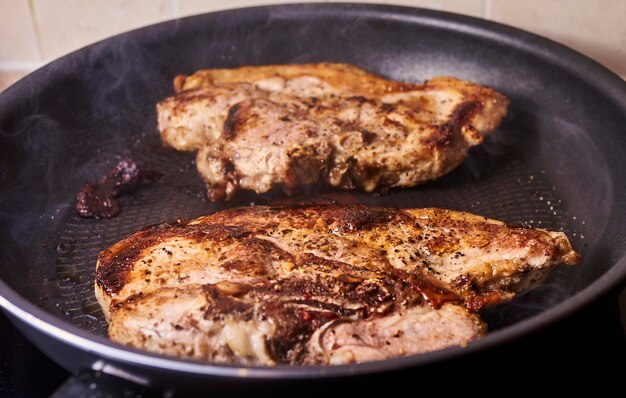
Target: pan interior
point(546, 165)
point(502, 186)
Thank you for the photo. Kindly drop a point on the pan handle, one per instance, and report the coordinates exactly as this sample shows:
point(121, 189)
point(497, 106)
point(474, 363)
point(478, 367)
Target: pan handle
point(94, 383)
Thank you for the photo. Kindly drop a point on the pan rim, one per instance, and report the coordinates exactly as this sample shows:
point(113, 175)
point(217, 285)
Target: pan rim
point(44, 322)
point(601, 78)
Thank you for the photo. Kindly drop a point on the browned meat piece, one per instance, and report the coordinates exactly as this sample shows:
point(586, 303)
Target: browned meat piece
point(98, 199)
point(317, 284)
point(331, 124)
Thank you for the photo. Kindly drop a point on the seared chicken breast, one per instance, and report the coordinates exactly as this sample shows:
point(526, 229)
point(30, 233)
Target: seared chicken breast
point(332, 124)
point(317, 284)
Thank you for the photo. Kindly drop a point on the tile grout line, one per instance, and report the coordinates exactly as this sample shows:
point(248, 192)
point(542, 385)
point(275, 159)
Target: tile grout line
point(33, 21)
point(487, 9)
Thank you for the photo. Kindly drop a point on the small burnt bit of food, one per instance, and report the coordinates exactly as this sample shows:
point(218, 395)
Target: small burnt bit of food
point(92, 201)
point(97, 200)
point(324, 284)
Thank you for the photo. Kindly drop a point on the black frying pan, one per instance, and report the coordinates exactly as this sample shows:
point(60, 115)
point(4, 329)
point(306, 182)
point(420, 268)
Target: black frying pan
point(557, 162)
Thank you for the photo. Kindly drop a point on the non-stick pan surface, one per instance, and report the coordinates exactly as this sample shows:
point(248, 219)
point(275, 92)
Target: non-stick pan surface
point(556, 162)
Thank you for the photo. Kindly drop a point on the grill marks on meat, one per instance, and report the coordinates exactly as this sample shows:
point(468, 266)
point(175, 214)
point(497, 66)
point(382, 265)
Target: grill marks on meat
point(316, 284)
point(331, 124)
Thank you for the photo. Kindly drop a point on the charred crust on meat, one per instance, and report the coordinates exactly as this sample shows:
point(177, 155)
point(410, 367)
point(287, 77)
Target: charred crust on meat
point(294, 327)
point(361, 100)
point(117, 261)
point(270, 248)
point(324, 293)
point(447, 133)
point(220, 304)
point(521, 225)
point(461, 280)
point(231, 122)
point(260, 253)
point(228, 166)
point(329, 265)
point(228, 184)
point(367, 136)
point(358, 217)
point(396, 125)
point(311, 102)
point(358, 98)
point(430, 290)
point(131, 300)
point(475, 302)
point(247, 266)
point(307, 165)
point(386, 107)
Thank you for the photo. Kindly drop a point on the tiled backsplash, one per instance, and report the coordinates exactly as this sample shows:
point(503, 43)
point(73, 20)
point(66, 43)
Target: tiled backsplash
point(33, 32)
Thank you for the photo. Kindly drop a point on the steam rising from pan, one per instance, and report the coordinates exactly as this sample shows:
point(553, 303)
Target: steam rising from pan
point(83, 114)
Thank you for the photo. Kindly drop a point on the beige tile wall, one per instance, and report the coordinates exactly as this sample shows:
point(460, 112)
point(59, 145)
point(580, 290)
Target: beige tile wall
point(18, 40)
point(596, 28)
point(66, 25)
point(33, 32)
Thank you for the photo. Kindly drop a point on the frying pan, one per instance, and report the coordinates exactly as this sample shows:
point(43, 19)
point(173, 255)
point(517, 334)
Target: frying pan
point(557, 162)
